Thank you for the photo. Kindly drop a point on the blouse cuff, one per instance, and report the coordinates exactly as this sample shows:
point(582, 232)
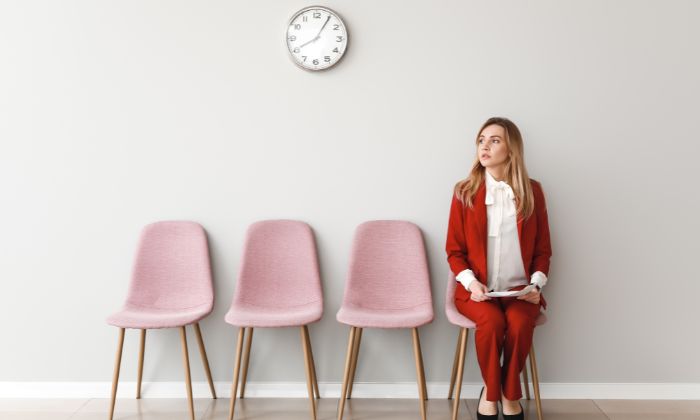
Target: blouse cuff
point(538, 278)
point(466, 277)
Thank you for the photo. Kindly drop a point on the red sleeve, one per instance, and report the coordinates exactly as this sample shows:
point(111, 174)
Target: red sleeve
point(543, 247)
point(456, 245)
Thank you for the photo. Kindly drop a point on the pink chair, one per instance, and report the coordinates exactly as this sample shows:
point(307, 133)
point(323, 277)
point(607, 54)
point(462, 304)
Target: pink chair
point(171, 287)
point(278, 286)
point(465, 324)
point(388, 286)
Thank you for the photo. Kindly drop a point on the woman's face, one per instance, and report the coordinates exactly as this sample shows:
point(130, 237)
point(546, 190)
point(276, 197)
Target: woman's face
point(492, 149)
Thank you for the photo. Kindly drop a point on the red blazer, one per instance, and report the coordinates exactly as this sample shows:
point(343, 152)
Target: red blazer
point(467, 238)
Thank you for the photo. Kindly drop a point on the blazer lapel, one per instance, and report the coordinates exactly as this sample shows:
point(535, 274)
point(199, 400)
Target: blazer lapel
point(521, 224)
point(481, 218)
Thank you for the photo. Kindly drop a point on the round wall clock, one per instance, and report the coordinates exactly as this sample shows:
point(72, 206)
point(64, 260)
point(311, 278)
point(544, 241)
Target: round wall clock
point(316, 38)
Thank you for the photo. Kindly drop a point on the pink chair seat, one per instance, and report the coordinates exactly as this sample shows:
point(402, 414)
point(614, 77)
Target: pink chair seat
point(388, 282)
point(456, 318)
point(171, 283)
point(279, 284)
point(357, 316)
point(257, 316)
point(147, 318)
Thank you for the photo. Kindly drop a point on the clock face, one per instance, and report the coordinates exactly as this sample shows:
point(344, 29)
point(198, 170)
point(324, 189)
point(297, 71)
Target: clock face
point(316, 38)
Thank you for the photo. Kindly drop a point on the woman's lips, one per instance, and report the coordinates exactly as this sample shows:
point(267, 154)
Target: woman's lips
point(485, 157)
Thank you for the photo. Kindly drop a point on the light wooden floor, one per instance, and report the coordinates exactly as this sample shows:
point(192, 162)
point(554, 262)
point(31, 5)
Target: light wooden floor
point(356, 409)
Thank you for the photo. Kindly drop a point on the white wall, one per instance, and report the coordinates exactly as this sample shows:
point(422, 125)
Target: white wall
point(117, 114)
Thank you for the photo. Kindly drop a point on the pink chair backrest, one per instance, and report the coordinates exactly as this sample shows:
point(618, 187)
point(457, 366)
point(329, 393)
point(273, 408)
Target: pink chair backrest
point(450, 290)
point(279, 267)
point(453, 315)
point(172, 268)
point(388, 266)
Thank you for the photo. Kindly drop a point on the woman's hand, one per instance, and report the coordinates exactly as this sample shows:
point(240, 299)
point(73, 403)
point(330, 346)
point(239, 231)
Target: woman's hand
point(532, 297)
point(479, 291)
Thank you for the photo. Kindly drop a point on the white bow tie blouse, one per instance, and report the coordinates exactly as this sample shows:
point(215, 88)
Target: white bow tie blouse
point(504, 260)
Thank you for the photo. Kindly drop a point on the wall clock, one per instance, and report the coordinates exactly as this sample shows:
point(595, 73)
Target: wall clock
point(316, 38)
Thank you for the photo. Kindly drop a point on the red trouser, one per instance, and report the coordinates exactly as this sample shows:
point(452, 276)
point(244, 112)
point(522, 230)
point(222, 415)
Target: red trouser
point(499, 320)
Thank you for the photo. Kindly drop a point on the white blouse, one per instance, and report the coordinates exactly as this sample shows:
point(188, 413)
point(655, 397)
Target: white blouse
point(504, 260)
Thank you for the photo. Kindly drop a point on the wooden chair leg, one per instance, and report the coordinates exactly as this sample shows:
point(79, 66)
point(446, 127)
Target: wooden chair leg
point(422, 368)
point(346, 375)
point(186, 363)
point(115, 378)
point(313, 364)
point(422, 394)
point(460, 371)
point(535, 381)
point(309, 374)
point(454, 366)
point(246, 355)
point(236, 370)
point(526, 383)
point(142, 348)
point(205, 360)
point(353, 366)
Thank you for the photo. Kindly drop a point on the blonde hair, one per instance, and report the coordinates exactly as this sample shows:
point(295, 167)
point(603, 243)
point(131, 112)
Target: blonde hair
point(515, 171)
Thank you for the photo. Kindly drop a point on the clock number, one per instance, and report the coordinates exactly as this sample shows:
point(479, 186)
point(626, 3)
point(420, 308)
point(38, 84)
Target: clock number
point(297, 26)
point(327, 59)
point(305, 18)
point(336, 27)
point(338, 39)
point(315, 62)
point(335, 50)
point(317, 15)
point(304, 57)
point(293, 38)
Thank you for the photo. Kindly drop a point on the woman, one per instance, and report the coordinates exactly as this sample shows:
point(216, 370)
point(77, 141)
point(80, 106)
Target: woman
point(498, 240)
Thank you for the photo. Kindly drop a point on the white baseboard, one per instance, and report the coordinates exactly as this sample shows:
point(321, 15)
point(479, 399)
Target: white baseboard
point(436, 390)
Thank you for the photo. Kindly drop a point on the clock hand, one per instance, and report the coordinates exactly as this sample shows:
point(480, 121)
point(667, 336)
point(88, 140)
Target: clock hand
point(308, 42)
point(318, 35)
point(324, 25)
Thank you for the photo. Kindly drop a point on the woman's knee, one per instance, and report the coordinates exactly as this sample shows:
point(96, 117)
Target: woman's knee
point(493, 322)
point(519, 322)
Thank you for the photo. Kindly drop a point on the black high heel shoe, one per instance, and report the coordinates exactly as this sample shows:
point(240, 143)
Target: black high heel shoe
point(480, 416)
point(519, 416)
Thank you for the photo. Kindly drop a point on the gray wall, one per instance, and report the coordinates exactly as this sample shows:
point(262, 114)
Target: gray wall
point(117, 114)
